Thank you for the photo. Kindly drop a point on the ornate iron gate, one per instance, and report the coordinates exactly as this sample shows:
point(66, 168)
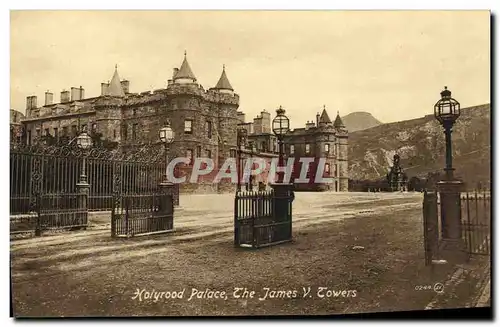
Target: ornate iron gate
point(44, 193)
point(53, 187)
point(139, 215)
point(476, 222)
point(262, 218)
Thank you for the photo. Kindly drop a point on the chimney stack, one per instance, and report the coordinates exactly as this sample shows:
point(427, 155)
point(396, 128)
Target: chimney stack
point(49, 98)
point(64, 96)
point(241, 116)
point(309, 124)
point(30, 103)
point(82, 93)
point(75, 94)
point(317, 119)
point(104, 88)
point(266, 121)
point(125, 85)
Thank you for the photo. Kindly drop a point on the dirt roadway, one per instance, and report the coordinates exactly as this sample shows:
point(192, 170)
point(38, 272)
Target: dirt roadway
point(88, 273)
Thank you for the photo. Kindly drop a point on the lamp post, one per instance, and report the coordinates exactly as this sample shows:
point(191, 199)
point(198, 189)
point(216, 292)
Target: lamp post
point(283, 193)
point(241, 140)
point(251, 145)
point(281, 126)
point(451, 247)
point(166, 135)
point(447, 111)
point(84, 141)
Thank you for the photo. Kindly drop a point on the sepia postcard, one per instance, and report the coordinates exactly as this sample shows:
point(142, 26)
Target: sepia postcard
point(250, 163)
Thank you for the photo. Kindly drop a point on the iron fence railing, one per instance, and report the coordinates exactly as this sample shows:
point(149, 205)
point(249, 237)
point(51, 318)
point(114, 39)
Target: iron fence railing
point(52, 212)
point(475, 223)
point(58, 170)
point(137, 215)
point(262, 218)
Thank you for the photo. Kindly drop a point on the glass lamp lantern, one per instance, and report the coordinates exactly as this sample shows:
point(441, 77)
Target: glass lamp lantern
point(281, 123)
point(166, 134)
point(84, 141)
point(447, 109)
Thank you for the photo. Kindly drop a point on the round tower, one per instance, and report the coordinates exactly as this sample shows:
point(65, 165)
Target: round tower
point(226, 103)
point(325, 144)
point(184, 75)
point(342, 136)
point(187, 113)
point(108, 110)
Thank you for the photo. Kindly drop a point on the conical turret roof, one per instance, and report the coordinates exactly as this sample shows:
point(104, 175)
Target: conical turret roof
point(115, 87)
point(223, 82)
point(338, 121)
point(185, 71)
point(324, 117)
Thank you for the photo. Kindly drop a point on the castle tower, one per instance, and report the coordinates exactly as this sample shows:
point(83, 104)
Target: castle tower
point(188, 114)
point(223, 85)
point(324, 120)
point(341, 152)
point(108, 109)
point(324, 147)
point(184, 75)
point(227, 103)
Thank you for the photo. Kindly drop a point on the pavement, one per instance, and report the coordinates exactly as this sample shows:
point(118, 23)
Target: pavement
point(88, 268)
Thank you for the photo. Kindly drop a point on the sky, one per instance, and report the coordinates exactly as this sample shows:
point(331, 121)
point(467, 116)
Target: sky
point(392, 64)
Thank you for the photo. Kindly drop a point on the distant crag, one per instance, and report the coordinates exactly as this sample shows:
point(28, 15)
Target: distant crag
point(357, 121)
point(421, 146)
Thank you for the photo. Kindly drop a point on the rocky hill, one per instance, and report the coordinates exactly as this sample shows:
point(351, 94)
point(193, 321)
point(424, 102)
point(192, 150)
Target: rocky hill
point(357, 121)
point(420, 143)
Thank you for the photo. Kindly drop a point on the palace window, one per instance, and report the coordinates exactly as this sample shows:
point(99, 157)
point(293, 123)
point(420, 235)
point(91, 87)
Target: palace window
point(327, 168)
point(134, 131)
point(198, 151)
point(232, 153)
point(56, 132)
point(209, 129)
point(114, 133)
point(38, 132)
point(74, 130)
point(47, 132)
point(188, 126)
point(308, 148)
point(327, 147)
point(209, 154)
point(292, 149)
point(125, 132)
point(65, 131)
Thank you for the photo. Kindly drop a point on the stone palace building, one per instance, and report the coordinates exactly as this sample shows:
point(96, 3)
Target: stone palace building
point(205, 123)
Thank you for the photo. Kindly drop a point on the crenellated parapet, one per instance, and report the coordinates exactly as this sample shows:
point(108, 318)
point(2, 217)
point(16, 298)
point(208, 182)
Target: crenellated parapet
point(191, 89)
point(145, 98)
point(214, 95)
point(107, 101)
